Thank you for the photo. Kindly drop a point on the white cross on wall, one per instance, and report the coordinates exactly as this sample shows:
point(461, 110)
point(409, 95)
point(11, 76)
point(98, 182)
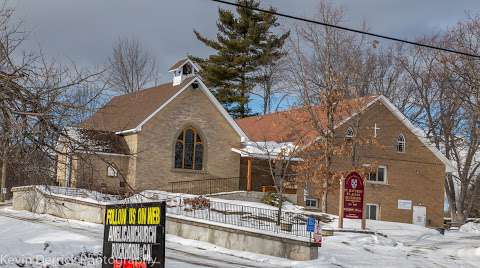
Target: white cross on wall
point(375, 130)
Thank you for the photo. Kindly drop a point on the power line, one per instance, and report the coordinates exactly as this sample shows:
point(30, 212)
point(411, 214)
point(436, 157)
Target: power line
point(348, 29)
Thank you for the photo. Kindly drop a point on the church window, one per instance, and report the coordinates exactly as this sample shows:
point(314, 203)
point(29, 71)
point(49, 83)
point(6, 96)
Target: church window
point(111, 171)
point(379, 176)
point(311, 202)
point(372, 211)
point(401, 143)
point(349, 133)
point(189, 150)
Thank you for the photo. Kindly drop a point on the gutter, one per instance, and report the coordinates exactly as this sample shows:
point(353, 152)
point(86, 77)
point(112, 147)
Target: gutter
point(129, 131)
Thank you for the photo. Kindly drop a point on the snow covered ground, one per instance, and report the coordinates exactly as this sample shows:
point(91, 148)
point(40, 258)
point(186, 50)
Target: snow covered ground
point(26, 234)
point(33, 240)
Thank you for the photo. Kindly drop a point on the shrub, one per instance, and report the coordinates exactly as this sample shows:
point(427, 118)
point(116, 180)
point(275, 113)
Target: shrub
point(272, 199)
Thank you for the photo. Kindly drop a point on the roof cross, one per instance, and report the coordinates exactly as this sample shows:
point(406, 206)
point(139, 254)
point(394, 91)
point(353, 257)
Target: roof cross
point(375, 128)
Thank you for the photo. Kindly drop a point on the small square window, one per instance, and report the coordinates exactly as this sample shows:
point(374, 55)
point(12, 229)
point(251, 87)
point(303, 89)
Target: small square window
point(379, 176)
point(311, 202)
point(111, 172)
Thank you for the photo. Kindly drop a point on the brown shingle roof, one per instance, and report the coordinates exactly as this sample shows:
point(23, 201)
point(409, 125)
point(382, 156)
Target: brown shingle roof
point(178, 64)
point(294, 123)
point(128, 111)
point(102, 141)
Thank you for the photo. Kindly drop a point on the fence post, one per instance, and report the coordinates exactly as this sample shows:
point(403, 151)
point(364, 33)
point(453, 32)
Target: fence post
point(224, 213)
point(241, 215)
point(181, 203)
point(278, 225)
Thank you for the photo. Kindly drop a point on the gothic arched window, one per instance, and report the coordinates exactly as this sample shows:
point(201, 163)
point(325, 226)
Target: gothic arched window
point(189, 150)
point(401, 143)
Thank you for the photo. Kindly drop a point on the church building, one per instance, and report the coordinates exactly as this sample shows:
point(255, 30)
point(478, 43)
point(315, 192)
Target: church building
point(179, 132)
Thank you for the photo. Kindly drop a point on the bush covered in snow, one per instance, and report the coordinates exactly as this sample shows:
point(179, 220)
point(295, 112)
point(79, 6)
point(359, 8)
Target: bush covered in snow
point(471, 227)
point(272, 199)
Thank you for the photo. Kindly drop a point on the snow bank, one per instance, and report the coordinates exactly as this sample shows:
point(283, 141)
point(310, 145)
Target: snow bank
point(470, 253)
point(471, 227)
point(407, 245)
point(79, 194)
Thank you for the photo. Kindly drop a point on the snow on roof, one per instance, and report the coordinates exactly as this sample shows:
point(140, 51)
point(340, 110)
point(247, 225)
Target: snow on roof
point(268, 150)
point(263, 149)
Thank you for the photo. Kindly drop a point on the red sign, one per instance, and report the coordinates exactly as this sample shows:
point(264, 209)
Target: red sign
point(353, 196)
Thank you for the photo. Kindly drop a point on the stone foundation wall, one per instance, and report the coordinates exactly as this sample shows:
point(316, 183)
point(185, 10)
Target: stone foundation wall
point(250, 196)
point(30, 199)
point(242, 240)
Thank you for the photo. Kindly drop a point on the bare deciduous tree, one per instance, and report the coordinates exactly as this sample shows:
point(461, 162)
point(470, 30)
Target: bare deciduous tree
point(271, 85)
point(445, 89)
point(34, 105)
point(131, 67)
point(321, 68)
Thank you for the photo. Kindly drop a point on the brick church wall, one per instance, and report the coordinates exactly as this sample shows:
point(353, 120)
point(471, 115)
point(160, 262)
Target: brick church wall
point(92, 173)
point(155, 165)
point(415, 175)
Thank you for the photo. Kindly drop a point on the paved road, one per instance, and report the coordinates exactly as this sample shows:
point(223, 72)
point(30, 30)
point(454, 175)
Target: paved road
point(19, 231)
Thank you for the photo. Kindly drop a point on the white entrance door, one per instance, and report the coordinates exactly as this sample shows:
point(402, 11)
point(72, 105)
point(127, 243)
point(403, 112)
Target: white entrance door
point(419, 215)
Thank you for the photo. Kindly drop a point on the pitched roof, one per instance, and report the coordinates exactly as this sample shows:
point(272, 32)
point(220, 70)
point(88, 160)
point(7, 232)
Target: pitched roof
point(419, 133)
point(128, 111)
point(103, 141)
point(93, 141)
point(289, 125)
point(178, 64)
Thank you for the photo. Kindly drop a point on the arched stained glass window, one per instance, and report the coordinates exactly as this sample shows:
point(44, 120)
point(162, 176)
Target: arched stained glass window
point(189, 150)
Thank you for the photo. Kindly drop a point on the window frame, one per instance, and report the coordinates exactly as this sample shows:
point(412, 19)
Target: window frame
point(187, 69)
point(308, 199)
point(113, 169)
point(377, 211)
point(385, 177)
point(349, 133)
point(196, 142)
point(402, 142)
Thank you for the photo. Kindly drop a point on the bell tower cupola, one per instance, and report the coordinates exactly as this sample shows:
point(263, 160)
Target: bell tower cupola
point(183, 69)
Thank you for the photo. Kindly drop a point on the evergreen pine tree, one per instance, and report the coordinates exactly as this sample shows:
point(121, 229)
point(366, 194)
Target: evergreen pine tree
point(244, 43)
